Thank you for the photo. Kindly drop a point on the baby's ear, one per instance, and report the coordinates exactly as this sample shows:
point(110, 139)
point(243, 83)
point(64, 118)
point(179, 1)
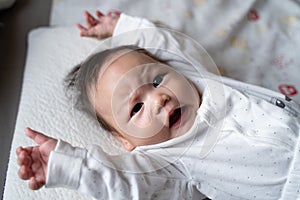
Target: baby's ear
point(125, 142)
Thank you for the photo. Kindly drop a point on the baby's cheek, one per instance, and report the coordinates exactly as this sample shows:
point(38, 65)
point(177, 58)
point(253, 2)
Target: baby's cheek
point(142, 120)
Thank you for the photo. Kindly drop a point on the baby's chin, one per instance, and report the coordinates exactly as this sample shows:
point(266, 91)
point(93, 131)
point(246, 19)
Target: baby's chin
point(159, 133)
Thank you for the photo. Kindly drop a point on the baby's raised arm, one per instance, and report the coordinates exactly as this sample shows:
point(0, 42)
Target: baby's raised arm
point(33, 160)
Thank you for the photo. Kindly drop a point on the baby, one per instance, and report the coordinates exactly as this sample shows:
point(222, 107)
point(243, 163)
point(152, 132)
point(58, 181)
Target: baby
point(165, 121)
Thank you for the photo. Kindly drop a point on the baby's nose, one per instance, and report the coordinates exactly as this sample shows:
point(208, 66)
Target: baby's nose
point(159, 102)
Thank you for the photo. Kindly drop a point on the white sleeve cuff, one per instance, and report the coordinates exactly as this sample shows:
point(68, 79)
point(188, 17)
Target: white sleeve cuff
point(128, 23)
point(63, 171)
point(64, 166)
point(67, 149)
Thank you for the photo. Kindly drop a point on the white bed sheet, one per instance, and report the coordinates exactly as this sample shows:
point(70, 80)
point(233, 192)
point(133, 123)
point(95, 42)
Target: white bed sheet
point(254, 41)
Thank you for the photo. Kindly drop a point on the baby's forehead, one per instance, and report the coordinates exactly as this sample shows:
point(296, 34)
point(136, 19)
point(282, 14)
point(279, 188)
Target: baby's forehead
point(139, 55)
point(124, 60)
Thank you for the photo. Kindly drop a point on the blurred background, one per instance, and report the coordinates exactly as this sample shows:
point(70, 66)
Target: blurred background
point(17, 18)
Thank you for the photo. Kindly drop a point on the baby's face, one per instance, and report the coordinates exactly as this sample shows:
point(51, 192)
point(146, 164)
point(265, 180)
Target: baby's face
point(147, 102)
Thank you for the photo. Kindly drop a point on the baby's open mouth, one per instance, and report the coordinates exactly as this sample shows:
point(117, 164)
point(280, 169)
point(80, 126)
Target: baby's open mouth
point(174, 117)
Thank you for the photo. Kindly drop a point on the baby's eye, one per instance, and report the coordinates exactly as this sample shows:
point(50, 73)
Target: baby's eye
point(136, 109)
point(157, 80)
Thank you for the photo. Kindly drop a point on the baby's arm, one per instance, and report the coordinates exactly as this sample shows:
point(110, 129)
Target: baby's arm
point(103, 176)
point(129, 30)
point(58, 164)
point(33, 160)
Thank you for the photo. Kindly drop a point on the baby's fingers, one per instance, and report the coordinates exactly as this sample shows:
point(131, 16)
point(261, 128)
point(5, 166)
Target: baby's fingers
point(80, 27)
point(19, 150)
point(23, 156)
point(38, 137)
point(25, 173)
point(35, 184)
point(99, 14)
point(84, 31)
point(90, 20)
point(114, 13)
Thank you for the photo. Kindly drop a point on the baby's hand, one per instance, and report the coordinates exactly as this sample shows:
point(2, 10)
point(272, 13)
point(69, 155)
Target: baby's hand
point(101, 27)
point(33, 161)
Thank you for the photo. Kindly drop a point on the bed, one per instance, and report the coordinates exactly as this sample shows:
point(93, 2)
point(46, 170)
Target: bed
point(253, 41)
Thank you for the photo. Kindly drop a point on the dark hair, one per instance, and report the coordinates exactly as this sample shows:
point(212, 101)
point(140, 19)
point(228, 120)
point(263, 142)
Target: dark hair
point(83, 76)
